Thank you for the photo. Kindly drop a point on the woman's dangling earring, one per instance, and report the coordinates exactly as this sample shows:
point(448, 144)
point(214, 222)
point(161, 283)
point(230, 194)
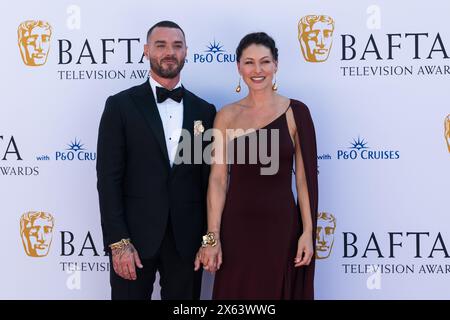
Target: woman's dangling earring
point(275, 86)
point(238, 88)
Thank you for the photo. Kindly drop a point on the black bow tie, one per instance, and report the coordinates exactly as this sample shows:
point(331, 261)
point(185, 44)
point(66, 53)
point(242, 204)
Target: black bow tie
point(162, 94)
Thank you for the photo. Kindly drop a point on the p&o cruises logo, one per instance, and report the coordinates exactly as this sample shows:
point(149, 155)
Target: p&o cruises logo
point(215, 53)
point(359, 149)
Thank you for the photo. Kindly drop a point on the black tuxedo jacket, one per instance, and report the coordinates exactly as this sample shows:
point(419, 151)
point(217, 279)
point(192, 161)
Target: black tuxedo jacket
point(137, 188)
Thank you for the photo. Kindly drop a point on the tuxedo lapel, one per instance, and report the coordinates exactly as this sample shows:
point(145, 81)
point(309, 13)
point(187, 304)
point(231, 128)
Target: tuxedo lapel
point(146, 104)
point(189, 115)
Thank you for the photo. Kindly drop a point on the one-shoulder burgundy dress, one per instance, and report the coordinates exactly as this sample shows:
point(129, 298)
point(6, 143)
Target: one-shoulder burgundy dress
point(261, 221)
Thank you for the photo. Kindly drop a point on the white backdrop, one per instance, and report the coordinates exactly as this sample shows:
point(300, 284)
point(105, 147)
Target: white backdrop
point(48, 109)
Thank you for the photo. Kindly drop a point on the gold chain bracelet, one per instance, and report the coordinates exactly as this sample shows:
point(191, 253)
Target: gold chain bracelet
point(119, 245)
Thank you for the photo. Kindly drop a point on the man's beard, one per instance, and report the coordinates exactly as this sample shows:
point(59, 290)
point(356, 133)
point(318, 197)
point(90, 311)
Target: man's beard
point(167, 73)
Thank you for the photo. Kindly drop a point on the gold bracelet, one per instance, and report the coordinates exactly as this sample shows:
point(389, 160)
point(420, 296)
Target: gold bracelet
point(119, 245)
point(209, 240)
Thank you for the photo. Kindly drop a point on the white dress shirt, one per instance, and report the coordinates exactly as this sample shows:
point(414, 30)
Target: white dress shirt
point(171, 113)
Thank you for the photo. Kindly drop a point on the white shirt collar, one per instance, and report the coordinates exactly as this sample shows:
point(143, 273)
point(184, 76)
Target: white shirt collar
point(154, 84)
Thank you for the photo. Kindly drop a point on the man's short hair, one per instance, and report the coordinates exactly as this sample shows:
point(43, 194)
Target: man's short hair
point(165, 24)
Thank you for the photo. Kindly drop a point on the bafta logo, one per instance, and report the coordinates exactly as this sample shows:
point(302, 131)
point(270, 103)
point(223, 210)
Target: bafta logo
point(315, 34)
point(36, 230)
point(34, 42)
point(326, 225)
point(447, 131)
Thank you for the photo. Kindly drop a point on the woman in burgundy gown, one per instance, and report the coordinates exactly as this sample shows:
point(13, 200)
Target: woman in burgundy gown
point(261, 242)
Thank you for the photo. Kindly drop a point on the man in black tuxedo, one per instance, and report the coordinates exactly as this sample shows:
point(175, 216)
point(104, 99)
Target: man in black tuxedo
point(153, 208)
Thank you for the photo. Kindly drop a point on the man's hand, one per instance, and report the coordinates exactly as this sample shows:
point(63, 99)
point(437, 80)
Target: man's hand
point(124, 261)
point(198, 260)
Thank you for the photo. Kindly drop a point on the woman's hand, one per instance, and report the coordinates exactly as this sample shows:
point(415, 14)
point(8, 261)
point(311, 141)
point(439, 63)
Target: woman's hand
point(210, 257)
point(304, 250)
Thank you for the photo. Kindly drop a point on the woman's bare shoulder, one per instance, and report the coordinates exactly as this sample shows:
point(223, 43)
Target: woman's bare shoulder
point(228, 113)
